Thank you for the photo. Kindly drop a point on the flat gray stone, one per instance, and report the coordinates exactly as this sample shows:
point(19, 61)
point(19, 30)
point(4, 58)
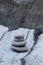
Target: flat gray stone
point(19, 49)
point(18, 40)
point(22, 43)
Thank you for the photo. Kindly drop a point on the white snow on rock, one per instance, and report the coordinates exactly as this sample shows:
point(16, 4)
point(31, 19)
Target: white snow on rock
point(5, 46)
point(9, 57)
point(36, 56)
point(3, 30)
point(21, 31)
point(30, 39)
point(30, 43)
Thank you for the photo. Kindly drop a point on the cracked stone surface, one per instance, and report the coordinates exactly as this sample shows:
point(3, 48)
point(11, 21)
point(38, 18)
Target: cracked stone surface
point(36, 56)
point(9, 57)
point(21, 13)
point(7, 12)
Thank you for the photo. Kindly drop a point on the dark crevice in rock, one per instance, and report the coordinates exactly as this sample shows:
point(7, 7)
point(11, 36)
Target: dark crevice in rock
point(22, 20)
point(23, 61)
point(38, 19)
point(37, 33)
point(2, 36)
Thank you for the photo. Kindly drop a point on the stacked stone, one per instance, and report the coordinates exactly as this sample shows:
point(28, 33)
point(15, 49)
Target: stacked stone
point(19, 44)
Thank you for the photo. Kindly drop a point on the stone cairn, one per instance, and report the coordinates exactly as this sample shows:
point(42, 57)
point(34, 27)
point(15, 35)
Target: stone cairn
point(19, 44)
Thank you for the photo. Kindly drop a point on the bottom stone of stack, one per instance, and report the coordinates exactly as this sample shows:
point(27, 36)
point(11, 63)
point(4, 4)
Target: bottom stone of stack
point(19, 49)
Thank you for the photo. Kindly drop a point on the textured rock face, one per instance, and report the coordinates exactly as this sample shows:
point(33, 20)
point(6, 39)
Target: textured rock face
point(7, 13)
point(33, 15)
point(21, 13)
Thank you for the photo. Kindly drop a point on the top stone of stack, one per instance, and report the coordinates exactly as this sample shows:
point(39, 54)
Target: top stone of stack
point(19, 38)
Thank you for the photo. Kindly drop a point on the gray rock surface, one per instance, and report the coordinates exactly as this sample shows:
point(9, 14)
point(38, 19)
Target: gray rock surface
point(7, 13)
point(20, 44)
point(21, 13)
